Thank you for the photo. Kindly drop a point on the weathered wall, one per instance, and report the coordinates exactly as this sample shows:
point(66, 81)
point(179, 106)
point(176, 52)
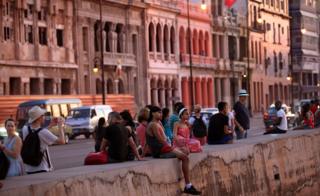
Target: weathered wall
point(266, 165)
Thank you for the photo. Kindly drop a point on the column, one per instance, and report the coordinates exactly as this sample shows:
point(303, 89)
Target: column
point(115, 86)
point(226, 90)
point(198, 92)
point(162, 100)
point(226, 46)
point(155, 97)
point(169, 45)
point(211, 102)
point(237, 48)
point(216, 45)
point(185, 91)
point(204, 88)
point(41, 92)
point(169, 98)
point(218, 89)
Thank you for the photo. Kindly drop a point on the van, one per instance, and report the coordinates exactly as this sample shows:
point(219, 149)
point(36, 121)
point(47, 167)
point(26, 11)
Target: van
point(54, 107)
point(84, 119)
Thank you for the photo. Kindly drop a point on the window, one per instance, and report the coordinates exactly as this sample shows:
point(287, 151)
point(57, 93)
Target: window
point(85, 38)
point(282, 4)
point(7, 33)
point(55, 110)
point(274, 33)
point(43, 35)
point(64, 110)
point(28, 13)
point(9, 8)
point(42, 14)
point(59, 34)
point(29, 34)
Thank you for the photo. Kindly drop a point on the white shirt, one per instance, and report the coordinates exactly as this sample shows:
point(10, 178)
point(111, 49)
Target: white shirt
point(230, 117)
point(46, 139)
point(284, 123)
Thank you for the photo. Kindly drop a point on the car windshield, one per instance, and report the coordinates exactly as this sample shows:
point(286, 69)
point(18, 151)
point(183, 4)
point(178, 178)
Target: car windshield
point(82, 113)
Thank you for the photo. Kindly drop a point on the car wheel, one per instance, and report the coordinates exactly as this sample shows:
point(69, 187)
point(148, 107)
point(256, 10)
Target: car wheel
point(66, 138)
point(87, 135)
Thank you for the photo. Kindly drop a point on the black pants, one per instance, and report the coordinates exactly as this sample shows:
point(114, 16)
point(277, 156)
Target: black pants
point(276, 130)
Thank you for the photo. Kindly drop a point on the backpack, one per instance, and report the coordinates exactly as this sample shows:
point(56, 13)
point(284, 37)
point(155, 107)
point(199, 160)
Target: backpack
point(199, 128)
point(4, 165)
point(31, 153)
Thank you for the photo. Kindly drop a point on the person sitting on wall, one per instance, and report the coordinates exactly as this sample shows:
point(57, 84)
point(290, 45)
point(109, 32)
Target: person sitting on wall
point(280, 125)
point(117, 137)
point(219, 131)
point(181, 133)
point(307, 118)
point(157, 141)
point(143, 117)
point(98, 133)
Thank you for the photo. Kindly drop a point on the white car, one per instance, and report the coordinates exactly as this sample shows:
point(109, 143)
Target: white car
point(207, 113)
point(3, 133)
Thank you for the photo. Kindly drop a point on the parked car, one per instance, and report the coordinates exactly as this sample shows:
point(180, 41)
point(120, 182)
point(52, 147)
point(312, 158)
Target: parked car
point(83, 119)
point(207, 113)
point(271, 115)
point(54, 107)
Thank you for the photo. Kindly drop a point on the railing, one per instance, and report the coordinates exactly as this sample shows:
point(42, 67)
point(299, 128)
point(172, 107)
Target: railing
point(197, 60)
point(125, 58)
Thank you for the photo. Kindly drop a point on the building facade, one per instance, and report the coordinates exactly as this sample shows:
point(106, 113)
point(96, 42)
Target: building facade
point(305, 48)
point(269, 48)
point(37, 53)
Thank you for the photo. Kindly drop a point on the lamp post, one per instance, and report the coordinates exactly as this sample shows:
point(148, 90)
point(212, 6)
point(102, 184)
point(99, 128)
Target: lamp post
point(97, 59)
point(203, 7)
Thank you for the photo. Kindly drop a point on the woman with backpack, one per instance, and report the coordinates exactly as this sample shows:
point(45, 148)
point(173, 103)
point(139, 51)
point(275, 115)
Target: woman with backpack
point(198, 126)
point(12, 148)
point(181, 134)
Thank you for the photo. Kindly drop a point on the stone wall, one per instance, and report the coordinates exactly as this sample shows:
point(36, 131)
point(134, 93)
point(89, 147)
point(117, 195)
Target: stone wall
point(266, 165)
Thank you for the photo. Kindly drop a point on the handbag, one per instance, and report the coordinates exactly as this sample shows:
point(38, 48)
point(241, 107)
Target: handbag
point(96, 158)
point(4, 165)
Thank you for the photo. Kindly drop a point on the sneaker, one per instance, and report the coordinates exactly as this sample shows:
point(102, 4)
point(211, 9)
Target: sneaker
point(192, 191)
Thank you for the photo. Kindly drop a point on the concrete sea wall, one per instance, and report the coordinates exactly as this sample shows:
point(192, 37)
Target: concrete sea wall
point(286, 164)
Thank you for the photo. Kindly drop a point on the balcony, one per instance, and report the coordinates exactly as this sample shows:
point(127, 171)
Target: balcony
point(197, 60)
point(126, 59)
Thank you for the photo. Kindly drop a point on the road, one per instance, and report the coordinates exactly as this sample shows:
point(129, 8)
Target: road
point(73, 154)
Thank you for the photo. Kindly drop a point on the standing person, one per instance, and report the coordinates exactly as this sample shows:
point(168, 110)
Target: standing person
point(198, 125)
point(166, 125)
point(12, 148)
point(242, 116)
point(35, 128)
point(143, 117)
point(175, 117)
point(281, 123)
point(98, 133)
point(181, 133)
point(118, 138)
point(160, 148)
point(219, 132)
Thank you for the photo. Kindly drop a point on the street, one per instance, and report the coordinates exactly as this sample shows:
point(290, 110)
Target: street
point(73, 154)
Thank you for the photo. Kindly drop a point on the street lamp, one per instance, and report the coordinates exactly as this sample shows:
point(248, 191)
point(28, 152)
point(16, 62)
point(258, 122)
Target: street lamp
point(203, 7)
point(101, 57)
point(303, 30)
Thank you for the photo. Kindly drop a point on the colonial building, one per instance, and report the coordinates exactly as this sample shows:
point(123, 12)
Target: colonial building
point(123, 37)
point(305, 48)
point(269, 47)
point(37, 54)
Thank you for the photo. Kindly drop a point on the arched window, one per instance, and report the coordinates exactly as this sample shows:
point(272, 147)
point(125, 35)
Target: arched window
point(121, 87)
point(121, 39)
point(98, 86)
point(151, 36)
point(109, 86)
point(158, 37)
point(201, 48)
point(206, 44)
point(195, 42)
point(166, 39)
point(182, 41)
point(107, 30)
point(172, 40)
point(187, 41)
point(275, 62)
point(280, 61)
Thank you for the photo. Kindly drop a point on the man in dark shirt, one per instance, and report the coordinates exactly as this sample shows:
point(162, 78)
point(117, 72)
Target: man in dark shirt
point(219, 132)
point(117, 137)
point(242, 117)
